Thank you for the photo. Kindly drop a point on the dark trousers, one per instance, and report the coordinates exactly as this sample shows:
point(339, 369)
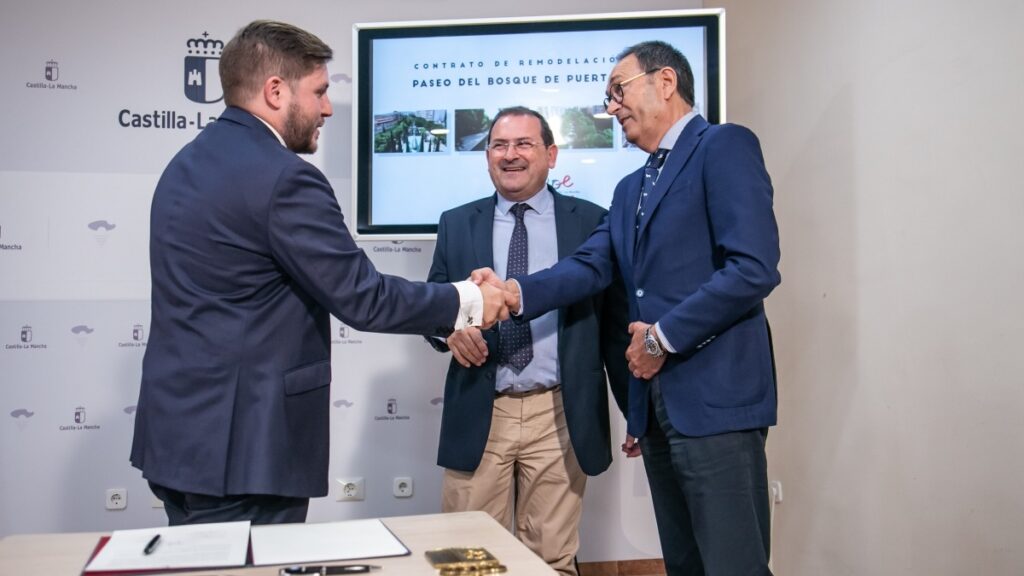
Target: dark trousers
point(187, 508)
point(710, 497)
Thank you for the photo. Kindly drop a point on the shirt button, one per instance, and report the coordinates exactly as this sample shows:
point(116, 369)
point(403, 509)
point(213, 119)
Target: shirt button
point(639, 292)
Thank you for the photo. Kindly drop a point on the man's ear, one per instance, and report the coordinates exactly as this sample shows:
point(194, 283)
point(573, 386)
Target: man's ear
point(275, 92)
point(667, 82)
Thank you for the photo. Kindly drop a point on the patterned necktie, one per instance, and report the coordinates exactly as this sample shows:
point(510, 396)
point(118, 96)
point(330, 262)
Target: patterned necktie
point(515, 342)
point(654, 162)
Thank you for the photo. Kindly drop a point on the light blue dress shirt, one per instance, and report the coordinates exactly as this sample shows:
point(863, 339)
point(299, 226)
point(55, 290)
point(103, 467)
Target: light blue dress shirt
point(543, 370)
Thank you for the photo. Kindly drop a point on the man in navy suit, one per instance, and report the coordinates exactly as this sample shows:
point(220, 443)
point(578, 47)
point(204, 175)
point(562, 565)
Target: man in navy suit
point(250, 256)
point(696, 242)
point(520, 438)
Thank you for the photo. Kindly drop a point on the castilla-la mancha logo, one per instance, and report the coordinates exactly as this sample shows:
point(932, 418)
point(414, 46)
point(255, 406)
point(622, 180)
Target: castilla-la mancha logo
point(52, 70)
point(202, 78)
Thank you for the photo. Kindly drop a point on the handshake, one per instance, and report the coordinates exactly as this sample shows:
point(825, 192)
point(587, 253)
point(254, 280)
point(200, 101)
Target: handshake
point(501, 297)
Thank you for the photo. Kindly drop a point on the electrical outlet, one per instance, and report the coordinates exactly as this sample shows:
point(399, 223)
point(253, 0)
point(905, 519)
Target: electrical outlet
point(117, 498)
point(403, 487)
point(775, 487)
point(350, 489)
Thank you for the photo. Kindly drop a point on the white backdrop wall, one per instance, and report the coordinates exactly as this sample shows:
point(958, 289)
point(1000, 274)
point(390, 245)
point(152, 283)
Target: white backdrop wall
point(892, 131)
point(76, 180)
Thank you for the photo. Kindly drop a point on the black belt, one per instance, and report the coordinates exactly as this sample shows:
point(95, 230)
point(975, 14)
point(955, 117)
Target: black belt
point(509, 394)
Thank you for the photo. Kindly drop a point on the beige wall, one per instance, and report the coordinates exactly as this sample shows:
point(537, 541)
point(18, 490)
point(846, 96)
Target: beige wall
point(892, 131)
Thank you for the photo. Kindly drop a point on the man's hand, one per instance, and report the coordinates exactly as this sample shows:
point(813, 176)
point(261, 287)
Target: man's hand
point(495, 308)
point(482, 276)
point(512, 296)
point(642, 364)
point(631, 447)
point(486, 275)
point(468, 347)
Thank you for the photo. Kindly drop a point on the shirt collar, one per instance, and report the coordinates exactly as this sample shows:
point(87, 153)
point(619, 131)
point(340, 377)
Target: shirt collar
point(276, 135)
point(541, 202)
point(668, 141)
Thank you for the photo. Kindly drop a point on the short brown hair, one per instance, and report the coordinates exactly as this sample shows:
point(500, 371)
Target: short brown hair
point(265, 48)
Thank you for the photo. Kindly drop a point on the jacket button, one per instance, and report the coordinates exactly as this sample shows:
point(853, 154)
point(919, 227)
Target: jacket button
point(639, 292)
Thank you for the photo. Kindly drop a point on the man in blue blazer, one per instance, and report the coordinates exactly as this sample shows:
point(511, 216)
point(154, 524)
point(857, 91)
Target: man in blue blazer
point(555, 406)
point(249, 256)
point(697, 245)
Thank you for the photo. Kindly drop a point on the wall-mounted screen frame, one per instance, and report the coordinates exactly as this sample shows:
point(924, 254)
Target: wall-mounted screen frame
point(424, 93)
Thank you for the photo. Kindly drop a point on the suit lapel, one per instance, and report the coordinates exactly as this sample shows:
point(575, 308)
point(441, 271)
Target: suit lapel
point(629, 212)
point(567, 225)
point(481, 230)
point(681, 152)
point(568, 237)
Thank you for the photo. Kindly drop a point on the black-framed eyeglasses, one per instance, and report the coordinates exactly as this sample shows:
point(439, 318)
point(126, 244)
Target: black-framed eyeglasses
point(617, 94)
point(500, 147)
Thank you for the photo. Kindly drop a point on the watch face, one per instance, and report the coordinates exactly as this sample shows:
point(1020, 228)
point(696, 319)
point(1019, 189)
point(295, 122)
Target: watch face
point(651, 345)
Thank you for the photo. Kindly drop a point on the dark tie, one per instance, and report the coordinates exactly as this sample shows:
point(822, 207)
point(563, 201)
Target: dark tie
point(515, 342)
point(654, 162)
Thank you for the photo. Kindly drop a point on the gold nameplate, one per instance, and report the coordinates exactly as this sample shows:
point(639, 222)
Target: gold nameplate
point(464, 562)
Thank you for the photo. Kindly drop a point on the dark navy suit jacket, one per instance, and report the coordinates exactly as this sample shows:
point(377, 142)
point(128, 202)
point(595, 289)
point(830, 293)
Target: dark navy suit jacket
point(702, 262)
point(249, 256)
point(592, 337)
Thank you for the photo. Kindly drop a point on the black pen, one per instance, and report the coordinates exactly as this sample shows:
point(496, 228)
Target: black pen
point(152, 545)
point(327, 570)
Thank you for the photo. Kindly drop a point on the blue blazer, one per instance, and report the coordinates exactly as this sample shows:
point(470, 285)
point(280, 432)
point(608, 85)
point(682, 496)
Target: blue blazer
point(702, 262)
point(592, 338)
point(249, 256)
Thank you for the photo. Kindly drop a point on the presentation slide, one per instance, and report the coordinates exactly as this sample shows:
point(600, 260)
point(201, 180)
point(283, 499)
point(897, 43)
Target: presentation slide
point(432, 99)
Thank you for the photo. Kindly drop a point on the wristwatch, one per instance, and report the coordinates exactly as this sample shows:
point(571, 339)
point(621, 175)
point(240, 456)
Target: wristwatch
point(651, 344)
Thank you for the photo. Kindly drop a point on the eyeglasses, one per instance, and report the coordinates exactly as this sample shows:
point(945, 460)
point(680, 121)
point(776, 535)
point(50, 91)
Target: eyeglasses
point(500, 147)
point(617, 95)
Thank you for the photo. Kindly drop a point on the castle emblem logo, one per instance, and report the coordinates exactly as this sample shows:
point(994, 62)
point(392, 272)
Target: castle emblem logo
point(202, 78)
point(52, 70)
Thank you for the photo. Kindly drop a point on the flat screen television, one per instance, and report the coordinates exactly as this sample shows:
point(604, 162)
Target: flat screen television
point(424, 94)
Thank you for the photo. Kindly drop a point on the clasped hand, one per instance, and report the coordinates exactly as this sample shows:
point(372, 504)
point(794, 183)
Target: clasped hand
point(642, 364)
point(468, 346)
point(499, 297)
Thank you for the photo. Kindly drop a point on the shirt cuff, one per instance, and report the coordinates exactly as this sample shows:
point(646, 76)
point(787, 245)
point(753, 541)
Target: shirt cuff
point(664, 341)
point(471, 305)
point(519, 288)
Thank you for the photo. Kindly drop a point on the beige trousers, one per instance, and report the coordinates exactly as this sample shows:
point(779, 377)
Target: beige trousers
point(530, 470)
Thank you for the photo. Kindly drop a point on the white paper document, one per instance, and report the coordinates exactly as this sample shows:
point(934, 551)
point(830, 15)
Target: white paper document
point(219, 545)
point(324, 542)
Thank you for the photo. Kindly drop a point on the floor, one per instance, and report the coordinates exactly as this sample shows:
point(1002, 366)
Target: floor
point(652, 567)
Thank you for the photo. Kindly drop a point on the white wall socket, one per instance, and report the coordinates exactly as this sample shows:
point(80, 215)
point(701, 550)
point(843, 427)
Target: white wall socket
point(351, 489)
point(403, 487)
point(117, 498)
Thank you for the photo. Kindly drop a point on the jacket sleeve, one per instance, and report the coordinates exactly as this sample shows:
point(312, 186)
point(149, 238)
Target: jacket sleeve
point(308, 237)
point(588, 271)
point(745, 236)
